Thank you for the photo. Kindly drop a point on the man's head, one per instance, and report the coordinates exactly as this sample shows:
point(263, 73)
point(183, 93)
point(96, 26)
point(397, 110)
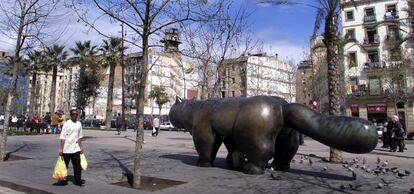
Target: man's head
point(395, 118)
point(74, 115)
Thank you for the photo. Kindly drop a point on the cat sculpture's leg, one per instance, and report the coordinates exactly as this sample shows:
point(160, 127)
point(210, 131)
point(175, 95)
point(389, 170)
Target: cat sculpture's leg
point(286, 146)
point(204, 141)
point(259, 149)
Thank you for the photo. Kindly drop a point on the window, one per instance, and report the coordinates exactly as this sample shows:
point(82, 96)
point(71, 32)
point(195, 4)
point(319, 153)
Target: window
point(233, 93)
point(349, 15)
point(369, 12)
point(352, 60)
point(234, 80)
point(372, 36)
point(353, 80)
point(393, 33)
point(350, 33)
point(223, 94)
point(392, 8)
point(224, 84)
point(373, 56)
point(374, 86)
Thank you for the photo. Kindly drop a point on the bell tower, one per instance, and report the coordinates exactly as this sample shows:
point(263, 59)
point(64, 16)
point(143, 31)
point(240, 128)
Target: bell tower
point(171, 40)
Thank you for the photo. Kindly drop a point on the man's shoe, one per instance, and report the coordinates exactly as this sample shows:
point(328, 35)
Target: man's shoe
point(81, 184)
point(63, 183)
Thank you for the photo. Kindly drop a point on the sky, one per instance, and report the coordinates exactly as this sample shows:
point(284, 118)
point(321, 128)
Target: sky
point(282, 29)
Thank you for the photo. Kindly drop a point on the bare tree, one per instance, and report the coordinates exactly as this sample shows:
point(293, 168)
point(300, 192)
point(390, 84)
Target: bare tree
point(146, 19)
point(23, 21)
point(211, 42)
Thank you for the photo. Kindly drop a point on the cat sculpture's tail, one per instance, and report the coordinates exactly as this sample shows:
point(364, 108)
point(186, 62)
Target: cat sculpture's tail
point(349, 134)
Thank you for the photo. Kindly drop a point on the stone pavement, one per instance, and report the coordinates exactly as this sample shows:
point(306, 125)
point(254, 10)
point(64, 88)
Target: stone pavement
point(172, 156)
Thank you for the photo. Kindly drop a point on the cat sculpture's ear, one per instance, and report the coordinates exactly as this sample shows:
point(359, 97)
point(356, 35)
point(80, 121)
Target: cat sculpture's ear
point(178, 99)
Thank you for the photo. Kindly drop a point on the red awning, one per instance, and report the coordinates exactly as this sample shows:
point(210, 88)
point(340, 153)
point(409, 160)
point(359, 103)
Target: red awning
point(376, 108)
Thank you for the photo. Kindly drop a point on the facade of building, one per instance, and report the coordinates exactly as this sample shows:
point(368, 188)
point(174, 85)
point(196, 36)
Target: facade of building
point(255, 75)
point(43, 89)
point(378, 73)
point(166, 70)
point(303, 76)
point(18, 104)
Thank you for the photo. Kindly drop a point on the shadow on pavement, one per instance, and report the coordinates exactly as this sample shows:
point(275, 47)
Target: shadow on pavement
point(8, 155)
point(192, 160)
point(321, 175)
point(125, 171)
point(383, 152)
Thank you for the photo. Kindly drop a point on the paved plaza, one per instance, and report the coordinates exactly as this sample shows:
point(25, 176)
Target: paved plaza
point(172, 156)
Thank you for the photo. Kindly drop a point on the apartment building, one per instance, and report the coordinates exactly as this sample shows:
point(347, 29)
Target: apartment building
point(165, 70)
point(43, 89)
point(378, 71)
point(256, 74)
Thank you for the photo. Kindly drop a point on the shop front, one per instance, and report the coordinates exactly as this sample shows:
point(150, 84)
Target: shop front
point(377, 113)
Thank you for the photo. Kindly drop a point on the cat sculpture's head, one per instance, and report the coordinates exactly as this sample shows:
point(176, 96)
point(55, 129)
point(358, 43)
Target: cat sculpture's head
point(176, 113)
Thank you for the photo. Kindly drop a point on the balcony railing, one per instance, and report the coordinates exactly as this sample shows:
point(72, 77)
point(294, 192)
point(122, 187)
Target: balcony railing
point(370, 18)
point(382, 65)
point(374, 65)
point(391, 16)
point(371, 42)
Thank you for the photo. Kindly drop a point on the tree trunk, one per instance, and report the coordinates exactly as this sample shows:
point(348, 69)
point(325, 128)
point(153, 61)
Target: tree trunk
point(110, 95)
point(140, 101)
point(53, 89)
point(69, 96)
point(33, 95)
point(13, 85)
point(331, 41)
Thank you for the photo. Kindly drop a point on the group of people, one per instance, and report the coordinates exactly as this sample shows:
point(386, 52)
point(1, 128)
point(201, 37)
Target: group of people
point(41, 124)
point(393, 135)
point(47, 123)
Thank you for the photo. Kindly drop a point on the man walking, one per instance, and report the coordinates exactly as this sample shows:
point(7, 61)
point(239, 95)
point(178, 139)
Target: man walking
point(397, 136)
point(71, 145)
point(119, 123)
point(156, 125)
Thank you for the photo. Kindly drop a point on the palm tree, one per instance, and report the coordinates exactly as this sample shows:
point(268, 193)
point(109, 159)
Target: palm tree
point(160, 95)
point(112, 51)
point(85, 57)
point(56, 55)
point(328, 11)
point(37, 62)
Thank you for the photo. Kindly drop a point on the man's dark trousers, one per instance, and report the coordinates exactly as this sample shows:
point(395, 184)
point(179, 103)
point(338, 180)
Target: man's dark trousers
point(75, 158)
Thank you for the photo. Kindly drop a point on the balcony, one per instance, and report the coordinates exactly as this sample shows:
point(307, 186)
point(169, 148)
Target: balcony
point(389, 16)
point(370, 19)
point(374, 65)
point(371, 41)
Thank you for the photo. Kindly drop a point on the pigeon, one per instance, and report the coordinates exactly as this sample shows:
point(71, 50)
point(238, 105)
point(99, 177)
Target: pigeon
point(412, 190)
point(407, 172)
point(377, 172)
point(368, 170)
point(363, 161)
point(310, 162)
point(401, 174)
point(293, 160)
point(350, 169)
point(354, 175)
point(363, 167)
point(380, 185)
point(325, 168)
point(275, 177)
point(386, 182)
point(345, 165)
point(385, 163)
point(301, 160)
point(343, 187)
point(306, 157)
point(378, 160)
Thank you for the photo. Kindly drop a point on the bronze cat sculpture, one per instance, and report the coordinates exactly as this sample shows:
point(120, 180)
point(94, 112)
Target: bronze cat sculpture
point(261, 127)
